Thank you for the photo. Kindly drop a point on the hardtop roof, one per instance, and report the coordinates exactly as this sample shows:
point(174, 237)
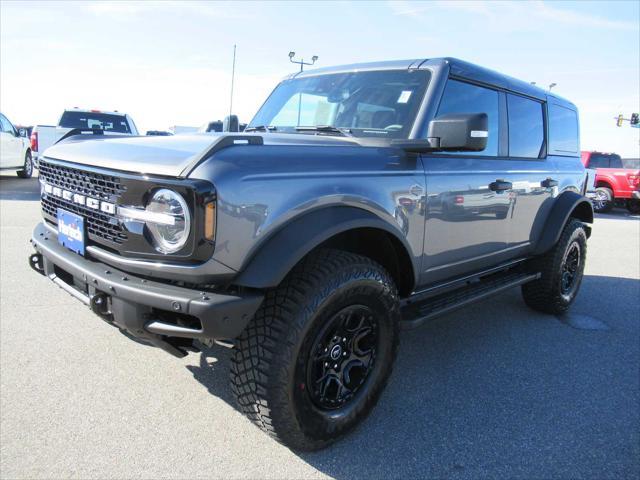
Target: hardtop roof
point(458, 68)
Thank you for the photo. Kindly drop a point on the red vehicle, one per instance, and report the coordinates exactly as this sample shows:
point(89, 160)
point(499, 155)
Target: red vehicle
point(614, 183)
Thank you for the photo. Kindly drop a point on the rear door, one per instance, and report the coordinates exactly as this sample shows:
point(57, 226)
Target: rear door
point(468, 209)
point(533, 176)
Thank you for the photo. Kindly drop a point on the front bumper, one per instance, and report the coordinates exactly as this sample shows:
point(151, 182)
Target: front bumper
point(635, 194)
point(165, 315)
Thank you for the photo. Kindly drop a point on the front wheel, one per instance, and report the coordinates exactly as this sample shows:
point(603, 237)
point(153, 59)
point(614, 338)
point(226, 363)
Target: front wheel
point(561, 270)
point(27, 169)
point(316, 356)
point(603, 200)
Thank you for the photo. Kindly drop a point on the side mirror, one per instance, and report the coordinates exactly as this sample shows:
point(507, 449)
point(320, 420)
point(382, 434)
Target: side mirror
point(231, 124)
point(22, 132)
point(467, 132)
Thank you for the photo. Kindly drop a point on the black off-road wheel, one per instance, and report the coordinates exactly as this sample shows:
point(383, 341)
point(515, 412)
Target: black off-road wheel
point(27, 169)
point(603, 201)
point(561, 270)
point(315, 358)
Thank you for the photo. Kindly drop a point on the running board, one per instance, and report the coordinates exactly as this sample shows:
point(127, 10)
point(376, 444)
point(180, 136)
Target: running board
point(415, 314)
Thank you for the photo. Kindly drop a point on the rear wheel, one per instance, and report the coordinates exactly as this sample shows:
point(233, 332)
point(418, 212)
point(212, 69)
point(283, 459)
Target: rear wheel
point(633, 206)
point(561, 270)
point(316, 356)
point(603, 200)
point(27, 169)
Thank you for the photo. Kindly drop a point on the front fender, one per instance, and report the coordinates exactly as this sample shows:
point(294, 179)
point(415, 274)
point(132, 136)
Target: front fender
point(291, 243)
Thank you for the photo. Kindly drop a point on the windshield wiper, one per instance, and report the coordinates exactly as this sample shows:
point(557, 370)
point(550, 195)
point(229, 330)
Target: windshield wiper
point(345, 132)
point(261, 128)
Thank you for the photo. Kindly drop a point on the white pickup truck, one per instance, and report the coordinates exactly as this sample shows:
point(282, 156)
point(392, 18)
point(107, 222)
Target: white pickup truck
point(43, 136)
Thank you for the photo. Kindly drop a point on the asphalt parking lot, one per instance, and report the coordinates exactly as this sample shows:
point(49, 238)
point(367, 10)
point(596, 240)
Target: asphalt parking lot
point(491, 391)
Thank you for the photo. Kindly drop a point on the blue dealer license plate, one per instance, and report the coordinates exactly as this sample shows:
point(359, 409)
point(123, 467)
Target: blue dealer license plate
point(71, 231)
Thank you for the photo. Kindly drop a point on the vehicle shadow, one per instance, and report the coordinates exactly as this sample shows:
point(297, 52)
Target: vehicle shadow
point(618, 214)
point(14, 188)
point(496, 390)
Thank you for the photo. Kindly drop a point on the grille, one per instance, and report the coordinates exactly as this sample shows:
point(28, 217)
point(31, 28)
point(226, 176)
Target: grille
point(101, 226)
point(96, 185)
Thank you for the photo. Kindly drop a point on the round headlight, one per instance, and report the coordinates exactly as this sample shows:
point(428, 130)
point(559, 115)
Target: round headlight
point(171, 230)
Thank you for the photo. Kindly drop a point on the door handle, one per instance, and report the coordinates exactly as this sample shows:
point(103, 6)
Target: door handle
point(500, 186)
point(549, 183)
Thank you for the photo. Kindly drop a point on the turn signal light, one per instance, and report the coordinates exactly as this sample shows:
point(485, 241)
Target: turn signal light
point(210, 221)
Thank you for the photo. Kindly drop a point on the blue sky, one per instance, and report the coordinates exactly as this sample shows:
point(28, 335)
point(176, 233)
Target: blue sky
point(168, 63)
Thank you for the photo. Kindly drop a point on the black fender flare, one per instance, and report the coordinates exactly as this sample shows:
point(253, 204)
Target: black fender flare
point(568, 204)
point(278, 254)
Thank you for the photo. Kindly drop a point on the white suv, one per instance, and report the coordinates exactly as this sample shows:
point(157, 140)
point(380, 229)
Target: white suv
point(15, 151)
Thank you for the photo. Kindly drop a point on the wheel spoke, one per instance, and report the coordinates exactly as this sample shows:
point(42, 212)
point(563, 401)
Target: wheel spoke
point(343, 356)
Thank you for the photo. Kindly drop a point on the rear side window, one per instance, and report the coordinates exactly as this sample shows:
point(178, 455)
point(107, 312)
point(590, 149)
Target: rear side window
point(460, 97)
point(563, 130)
point(605, 160)
point(95, 120)
point(526, 127)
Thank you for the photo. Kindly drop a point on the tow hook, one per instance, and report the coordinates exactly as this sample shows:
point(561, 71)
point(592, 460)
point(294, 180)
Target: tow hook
point(36, 262)
point(100, 306)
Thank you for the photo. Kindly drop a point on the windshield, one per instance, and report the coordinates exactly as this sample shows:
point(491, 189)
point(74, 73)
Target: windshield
point(367, 104)
point(102, 121)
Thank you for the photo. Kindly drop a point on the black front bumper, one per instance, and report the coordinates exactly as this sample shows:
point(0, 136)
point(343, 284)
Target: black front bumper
point(164, 315)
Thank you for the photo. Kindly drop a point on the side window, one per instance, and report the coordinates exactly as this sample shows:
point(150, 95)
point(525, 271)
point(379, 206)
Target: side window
point(563, 130)
point(526, 127)
point(599, 161)
point(460, 97)
point(615, 162)
point(6, 126)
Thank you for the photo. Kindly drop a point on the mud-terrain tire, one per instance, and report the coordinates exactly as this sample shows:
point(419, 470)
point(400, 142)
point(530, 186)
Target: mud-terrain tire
point(333, 302)
point(561, 270)
point(603, 201)
point(27, 169)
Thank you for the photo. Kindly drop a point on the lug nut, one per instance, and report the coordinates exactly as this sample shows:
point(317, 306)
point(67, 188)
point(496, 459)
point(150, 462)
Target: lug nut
point(344, 354)
point(335, 366)
point(344, 339)
point(326, 364)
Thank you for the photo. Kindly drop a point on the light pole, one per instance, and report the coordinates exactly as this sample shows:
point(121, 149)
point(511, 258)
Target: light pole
point(551, 85)
point(301, 62)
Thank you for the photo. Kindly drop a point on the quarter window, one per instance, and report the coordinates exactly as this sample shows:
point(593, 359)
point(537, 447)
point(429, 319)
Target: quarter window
point(563, 130)
point(526, 127)
point(460, 97)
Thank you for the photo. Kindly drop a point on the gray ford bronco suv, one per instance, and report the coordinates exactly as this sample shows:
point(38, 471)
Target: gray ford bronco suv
point(360, 200)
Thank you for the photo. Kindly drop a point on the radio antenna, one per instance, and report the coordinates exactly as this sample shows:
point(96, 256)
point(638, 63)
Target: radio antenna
point(233, 76)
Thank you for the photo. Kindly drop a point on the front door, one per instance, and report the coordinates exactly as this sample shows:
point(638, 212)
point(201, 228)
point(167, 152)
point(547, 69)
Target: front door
point(468, 203)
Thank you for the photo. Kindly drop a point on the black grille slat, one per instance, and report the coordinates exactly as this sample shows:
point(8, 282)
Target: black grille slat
point(100, 225)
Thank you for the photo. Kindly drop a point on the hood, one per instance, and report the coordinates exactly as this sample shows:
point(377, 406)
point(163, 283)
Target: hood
point(168, 156)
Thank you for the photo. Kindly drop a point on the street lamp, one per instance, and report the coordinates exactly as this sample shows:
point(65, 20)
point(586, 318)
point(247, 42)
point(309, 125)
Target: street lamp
point(552, 85)
point(301, 62)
